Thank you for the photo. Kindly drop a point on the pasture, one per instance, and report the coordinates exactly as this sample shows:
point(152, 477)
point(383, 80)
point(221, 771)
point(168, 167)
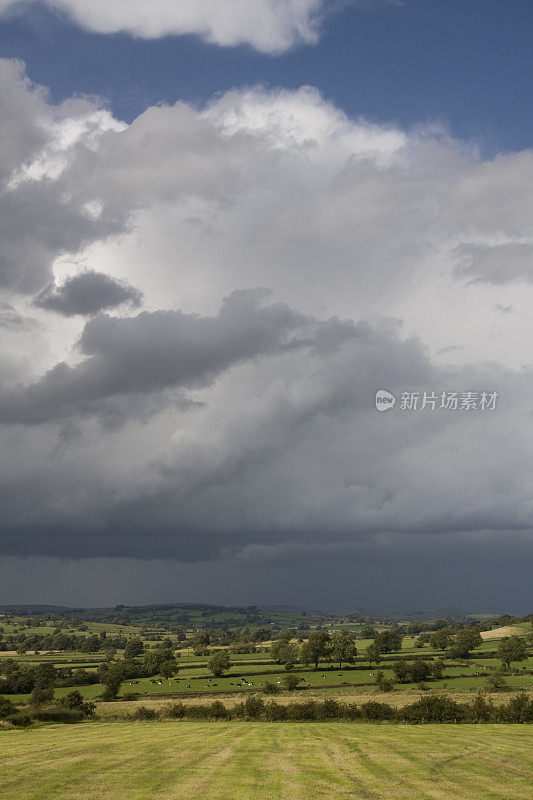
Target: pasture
point(266, 761)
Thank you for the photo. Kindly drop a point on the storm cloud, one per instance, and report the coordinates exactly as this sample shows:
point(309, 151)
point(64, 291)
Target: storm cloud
point(87, 294)
point(154, 351)
point(234, 425)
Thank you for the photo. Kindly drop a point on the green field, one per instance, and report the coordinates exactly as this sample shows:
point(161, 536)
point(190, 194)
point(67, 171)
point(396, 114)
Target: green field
point(266, 761)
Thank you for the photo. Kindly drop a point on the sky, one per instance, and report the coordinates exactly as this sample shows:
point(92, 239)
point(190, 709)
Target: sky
point(229, 230)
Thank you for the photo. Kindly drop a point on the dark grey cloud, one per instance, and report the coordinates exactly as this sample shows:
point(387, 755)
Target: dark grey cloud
point(87, 294)
point(286, 458)
point(135, 357)
point(38, 223)
point(477, 574)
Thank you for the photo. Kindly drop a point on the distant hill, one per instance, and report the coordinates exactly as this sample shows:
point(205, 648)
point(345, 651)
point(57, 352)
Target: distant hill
point(34, 609)
point(447, 612)
point(208, 609)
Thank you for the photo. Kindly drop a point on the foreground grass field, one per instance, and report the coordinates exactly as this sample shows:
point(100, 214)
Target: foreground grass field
point(266, 761)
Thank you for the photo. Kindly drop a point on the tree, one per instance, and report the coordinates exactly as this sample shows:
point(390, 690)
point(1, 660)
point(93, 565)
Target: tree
point(284, 652)
point(44, 675)
point(92, 644)
point(112, 679)
point(42, 694)
point(441, 639)
point(168, 668)
point(219, 663)
point(465, 641)
point(135, 647)
point(512, 649)
point(201, 639)
point(153, 660)
point(316, 647)
point(373, 653)
point(75, 700)
point(402, 672)
point(343, 647)
point(420, 671)
point(388, 641)
point(437, 668)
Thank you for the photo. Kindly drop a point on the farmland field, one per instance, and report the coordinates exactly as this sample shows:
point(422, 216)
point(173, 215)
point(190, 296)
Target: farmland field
point(266, 761)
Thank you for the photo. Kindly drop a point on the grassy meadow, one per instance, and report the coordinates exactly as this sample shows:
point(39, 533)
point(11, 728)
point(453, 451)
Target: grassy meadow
point(266, 761)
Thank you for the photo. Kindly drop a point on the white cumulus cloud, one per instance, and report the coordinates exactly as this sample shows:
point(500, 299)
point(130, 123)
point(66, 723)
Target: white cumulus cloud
point(270, 26)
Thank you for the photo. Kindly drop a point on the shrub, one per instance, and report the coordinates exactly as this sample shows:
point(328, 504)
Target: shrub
point(518, 709)
point(482, 710)
point(301, 711)
point(109, 694)
point(197, 712)
point(291, 682)
point(75, 700)
point(377, 712)
point(274, 712)
point(352, 711)
point(330, 709)
point(174, 711)
point(384, 684)
point(253, 706)
point(6, 707)
point(66, 715)
point(143, 714)
point(218, 710)
point(130, 696)
point(496, 681)
point(19, 719)
point(270, 688)
point(435, 708)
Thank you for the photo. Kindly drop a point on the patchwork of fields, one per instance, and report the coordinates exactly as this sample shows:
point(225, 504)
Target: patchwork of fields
point(111, 757)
